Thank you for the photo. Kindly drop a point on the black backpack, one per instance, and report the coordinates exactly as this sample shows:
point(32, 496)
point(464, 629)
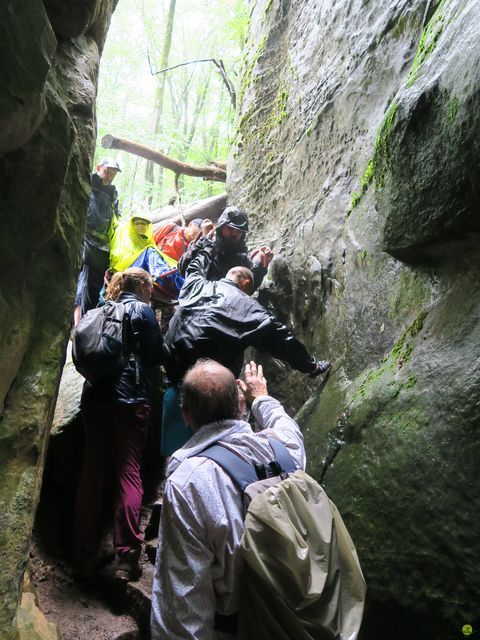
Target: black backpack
point(99, 350)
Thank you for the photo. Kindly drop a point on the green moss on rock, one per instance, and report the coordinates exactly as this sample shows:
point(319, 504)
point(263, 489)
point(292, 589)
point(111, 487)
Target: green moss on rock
point(379, 159)
point(249, 65)
point(428, 42)
point(397, 358)
point(452, 109)
point(411, 292)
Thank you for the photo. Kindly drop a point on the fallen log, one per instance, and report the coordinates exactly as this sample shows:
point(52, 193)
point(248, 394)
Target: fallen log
point(209, 208)
point(207, 172)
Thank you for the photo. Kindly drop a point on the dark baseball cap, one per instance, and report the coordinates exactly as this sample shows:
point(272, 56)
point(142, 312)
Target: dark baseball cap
point(233, 217)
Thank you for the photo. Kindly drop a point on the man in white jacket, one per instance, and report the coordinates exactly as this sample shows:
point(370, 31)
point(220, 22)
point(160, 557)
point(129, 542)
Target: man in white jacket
point(198, 567)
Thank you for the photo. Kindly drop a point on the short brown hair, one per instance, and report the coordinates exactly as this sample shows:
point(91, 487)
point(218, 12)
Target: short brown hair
point(243, 277)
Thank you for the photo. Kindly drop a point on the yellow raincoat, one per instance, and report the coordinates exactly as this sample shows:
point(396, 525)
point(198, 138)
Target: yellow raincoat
point(127, 244)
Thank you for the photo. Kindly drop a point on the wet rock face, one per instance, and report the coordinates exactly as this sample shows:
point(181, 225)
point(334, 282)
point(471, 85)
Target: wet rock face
point(427, 173)
point(47, 131)
point(357, 156)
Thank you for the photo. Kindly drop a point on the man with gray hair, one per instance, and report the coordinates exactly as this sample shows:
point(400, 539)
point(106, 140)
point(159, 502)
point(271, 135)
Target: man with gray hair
point(196, 588)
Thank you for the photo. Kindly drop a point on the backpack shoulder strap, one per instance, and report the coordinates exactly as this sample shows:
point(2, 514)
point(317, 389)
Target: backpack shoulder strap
point(242, 473)
point(283, 456)
point(113, 306)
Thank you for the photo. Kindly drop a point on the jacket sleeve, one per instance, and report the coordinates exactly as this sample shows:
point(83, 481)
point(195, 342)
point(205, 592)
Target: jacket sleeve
point(259, 273)
point(148, 336)
point(196, 274)
point(115, 219)
point(190, 254)
point(183, 594)
point(270, 414)
point(275, 337)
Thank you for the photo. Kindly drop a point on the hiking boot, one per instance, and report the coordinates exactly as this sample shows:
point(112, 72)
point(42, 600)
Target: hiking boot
point(322, 367)
point(87, 569)
point(106, 553)
point(128, 567)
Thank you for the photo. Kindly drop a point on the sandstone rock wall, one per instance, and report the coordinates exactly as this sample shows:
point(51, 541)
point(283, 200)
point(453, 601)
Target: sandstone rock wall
point(357, 156)
point(50, 57)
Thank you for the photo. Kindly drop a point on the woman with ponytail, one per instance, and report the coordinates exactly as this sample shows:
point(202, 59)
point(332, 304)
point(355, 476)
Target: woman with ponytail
point(115, 417)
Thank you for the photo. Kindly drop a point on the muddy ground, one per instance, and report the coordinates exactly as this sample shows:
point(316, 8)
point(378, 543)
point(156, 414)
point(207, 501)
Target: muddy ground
point(79, 611)
point(105, 608)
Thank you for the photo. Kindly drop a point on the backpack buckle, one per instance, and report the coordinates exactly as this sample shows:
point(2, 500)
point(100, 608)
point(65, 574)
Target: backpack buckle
point(269, 470)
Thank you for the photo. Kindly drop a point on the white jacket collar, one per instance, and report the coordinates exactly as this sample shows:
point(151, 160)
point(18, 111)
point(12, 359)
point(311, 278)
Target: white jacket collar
point(205, 437)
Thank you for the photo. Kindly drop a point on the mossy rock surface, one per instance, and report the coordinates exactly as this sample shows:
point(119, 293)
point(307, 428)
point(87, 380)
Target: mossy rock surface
point(429, 167)
point(47, 139)
point(369, 191)
point(397, 448)
point(31, 624)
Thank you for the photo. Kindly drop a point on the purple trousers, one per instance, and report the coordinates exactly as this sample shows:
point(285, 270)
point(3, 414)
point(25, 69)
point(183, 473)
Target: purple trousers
point(115, 436)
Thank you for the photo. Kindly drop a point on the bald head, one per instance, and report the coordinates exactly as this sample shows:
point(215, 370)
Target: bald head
point(243, 277)
point(209, 393)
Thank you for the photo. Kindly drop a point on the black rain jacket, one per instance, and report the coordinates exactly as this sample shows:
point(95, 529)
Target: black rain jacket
point(144, 340)
point(222, 260)
point(217, 320)
point(102, 209)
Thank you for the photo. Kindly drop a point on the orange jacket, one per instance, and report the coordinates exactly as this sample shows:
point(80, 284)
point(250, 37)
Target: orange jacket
point(170, 239)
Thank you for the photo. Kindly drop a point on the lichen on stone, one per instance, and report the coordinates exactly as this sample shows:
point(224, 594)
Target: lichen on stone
point(452, 109)
point(428, 42)
point(379, 158)
point(398, 357)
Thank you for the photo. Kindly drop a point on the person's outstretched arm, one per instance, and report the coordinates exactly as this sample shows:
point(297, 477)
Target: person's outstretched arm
point(196, 275)
point(270, 414)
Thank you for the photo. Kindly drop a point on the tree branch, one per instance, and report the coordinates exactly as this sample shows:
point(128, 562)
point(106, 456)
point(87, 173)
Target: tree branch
point(226, 81)
point(218, 63)
point(208, 172)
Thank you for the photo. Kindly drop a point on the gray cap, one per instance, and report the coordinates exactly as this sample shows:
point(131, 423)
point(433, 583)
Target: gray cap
point(111, 163)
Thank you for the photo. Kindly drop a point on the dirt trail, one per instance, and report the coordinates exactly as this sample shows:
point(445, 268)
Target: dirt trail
point(107, 608)
point(80, 612)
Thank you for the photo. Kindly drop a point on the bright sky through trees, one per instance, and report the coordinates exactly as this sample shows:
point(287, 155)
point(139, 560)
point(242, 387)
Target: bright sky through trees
point(197, 119)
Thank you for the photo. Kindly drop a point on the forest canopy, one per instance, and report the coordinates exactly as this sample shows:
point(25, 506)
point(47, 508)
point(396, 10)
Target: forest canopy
point(186, 113)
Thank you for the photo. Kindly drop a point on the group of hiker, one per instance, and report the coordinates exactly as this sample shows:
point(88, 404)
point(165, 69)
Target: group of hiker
point(200, 563)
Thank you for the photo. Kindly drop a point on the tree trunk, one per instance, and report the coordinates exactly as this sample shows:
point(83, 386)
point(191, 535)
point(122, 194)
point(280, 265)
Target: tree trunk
point(210, 208)
point(200, 101)
point(207, 172)
point(160, 92)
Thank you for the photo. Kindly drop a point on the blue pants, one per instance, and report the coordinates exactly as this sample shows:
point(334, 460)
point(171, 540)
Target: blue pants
point(175, 432)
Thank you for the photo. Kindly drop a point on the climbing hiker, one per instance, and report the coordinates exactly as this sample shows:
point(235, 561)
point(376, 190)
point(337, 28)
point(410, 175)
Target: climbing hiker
point(228, 248)
point(173, 240)
point(115, 416)
point(102, 218)
point(201, 580)
point(219, 320)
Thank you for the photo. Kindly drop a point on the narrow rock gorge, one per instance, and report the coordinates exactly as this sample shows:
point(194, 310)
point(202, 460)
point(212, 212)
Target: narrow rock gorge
point(357, 158)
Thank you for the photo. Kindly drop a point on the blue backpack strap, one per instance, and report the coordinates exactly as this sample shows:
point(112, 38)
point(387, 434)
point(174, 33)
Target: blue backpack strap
point(283, 456)
point(241, 472)
point(244, 473)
